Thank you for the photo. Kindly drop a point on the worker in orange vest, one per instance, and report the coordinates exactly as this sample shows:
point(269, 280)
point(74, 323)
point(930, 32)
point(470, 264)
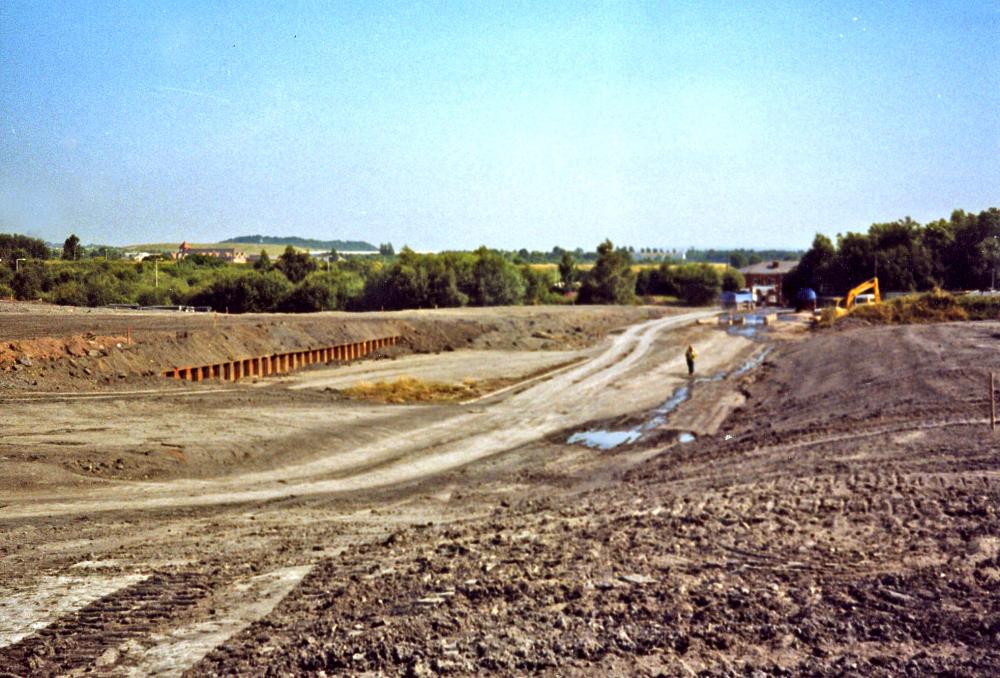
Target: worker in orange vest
point(690, 355)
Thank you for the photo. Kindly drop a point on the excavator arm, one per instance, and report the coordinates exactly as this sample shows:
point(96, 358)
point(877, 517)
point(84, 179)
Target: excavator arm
point(846, 304)
point(861, 289)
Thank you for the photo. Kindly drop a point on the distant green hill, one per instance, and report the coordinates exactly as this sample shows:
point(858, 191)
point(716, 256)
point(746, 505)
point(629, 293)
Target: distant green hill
point(305, 243)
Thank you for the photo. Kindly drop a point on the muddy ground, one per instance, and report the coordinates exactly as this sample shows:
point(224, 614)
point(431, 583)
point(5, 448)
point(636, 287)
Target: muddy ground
point(836, 514)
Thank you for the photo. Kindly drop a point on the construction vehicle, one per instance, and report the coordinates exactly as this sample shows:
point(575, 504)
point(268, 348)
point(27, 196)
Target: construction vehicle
point(856, 295)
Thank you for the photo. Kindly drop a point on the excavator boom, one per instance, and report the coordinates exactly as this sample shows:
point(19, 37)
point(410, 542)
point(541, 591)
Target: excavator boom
point(861, 289)
point(844, 305)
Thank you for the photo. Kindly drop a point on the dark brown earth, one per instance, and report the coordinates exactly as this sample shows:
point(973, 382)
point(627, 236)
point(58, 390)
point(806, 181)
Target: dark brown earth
point(848, 526)
point(844, 521)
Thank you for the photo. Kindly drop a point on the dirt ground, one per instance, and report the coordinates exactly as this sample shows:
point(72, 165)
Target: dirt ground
point(834, 513)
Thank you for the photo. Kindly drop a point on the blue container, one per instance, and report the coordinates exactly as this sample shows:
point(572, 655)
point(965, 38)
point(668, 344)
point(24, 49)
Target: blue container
point(805, 299)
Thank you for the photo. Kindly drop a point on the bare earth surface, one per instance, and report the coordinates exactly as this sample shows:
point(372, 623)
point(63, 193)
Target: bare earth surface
point(834, 514)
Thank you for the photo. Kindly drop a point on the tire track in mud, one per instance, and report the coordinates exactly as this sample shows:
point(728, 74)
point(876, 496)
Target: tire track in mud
point(157, 626)
point(817, 436)
point(93, 634)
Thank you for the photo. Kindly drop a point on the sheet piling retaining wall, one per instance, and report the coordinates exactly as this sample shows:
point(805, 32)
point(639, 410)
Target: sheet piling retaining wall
point(279, 363)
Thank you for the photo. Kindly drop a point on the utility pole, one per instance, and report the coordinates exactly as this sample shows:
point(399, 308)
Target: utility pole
point(156, 273)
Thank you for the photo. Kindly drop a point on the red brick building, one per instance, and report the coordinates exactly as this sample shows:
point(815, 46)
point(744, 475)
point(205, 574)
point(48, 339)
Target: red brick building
point(765, 279)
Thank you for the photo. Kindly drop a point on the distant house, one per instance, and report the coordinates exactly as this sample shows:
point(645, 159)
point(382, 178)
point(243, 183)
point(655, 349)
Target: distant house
point(765, 280)
point(230, 254)
point(658, 253)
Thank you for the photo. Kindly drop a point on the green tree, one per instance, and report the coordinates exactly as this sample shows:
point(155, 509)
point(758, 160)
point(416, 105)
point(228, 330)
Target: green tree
point(989, 250)
point(442, 284)
point(814, 270)
point(611, 280)
point(938, 239)
point(308, 296)
point(537, 285)
point(567, 270)
point(243, 292)
point(13, 245)
point(739, 259)
point(696, 284)
point(732, 280)
point(263, 262)
point(295, 265)
point(71, 248)
point(496, 281)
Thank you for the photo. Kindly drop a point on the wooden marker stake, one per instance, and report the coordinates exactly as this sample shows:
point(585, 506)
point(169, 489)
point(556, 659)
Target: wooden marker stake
point(993, 404)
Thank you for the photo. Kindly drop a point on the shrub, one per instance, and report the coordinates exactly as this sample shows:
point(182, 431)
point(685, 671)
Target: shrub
point(695, 284)
point(69, 293)
point(244, 292)
point(29, 281)
point(102, 289)
point(154, 296)
point(308, 297)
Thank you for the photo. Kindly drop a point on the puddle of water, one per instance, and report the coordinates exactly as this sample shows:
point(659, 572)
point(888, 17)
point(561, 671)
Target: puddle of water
point(674, 401)
point(742, 330)
point(752, 363)
point(604, 440)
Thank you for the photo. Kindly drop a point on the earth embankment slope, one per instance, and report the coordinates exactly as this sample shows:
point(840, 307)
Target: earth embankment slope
point(844, 523)
point(65, 349)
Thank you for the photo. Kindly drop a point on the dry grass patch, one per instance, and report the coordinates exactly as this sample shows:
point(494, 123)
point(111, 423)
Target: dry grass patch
point(412, 390)
point(408, 389)
point(930, 307)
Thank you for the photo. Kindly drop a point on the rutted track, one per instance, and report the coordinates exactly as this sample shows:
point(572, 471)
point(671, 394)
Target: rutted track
point(81, 638)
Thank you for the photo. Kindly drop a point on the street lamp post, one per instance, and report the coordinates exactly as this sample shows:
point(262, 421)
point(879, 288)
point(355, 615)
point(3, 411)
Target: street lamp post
point(17, 264)
point(993, 279)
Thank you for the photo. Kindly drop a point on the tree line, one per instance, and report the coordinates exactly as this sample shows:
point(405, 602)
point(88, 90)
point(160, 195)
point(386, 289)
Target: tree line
point(297, 282)
point(958, 253)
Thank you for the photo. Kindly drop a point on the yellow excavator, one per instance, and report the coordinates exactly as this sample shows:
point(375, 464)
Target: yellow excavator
point(845, 304)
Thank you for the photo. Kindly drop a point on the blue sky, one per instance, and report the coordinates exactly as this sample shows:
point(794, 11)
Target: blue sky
point(514, 124)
